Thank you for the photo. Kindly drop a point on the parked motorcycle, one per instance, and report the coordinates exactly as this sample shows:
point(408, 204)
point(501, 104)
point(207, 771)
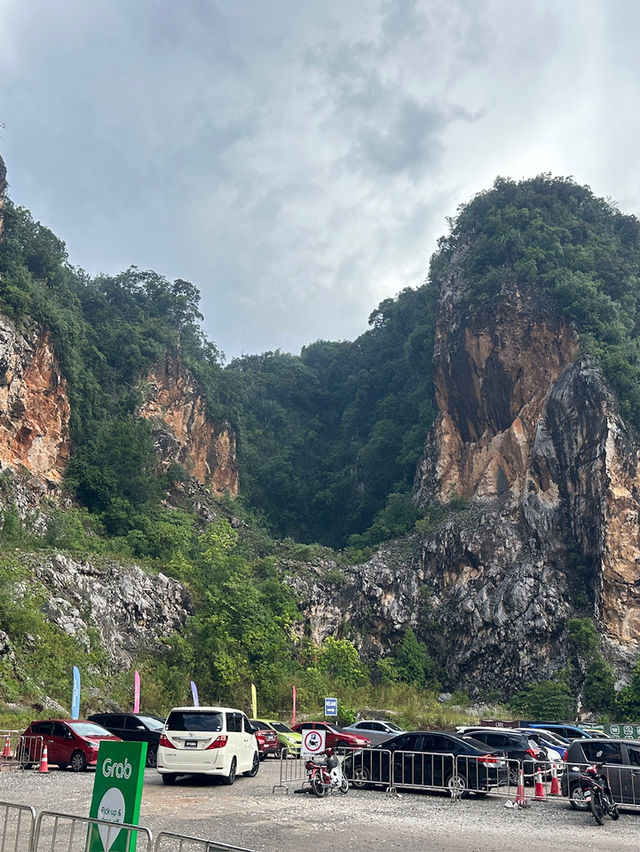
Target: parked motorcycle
point(325, 775)
point(597, 793)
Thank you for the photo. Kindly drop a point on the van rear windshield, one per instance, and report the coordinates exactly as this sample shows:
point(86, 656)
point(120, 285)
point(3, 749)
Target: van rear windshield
point(189, 721)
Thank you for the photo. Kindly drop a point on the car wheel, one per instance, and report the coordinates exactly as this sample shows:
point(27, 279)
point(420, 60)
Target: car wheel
point(78, 762)
point(169, 778)
point(456, 784)
point(284, 753)
point(231, 777)
point(514, 776)
point(152, 756)
point(361, 777)
point(251, 773)
point(576, 798)
point(342, 744)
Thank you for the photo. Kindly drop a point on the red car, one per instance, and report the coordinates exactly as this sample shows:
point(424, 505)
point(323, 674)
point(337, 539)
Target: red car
point(335, 737)
point(69, 742)
point(267, 739)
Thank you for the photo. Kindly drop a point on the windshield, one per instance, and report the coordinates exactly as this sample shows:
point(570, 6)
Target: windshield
point(89, 729)
point(152, 723)
point(280, 726)
point(191, 720)
point(394, 727)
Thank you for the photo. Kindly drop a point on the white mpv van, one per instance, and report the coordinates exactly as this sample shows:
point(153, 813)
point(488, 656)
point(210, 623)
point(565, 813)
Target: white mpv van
point(207, 741)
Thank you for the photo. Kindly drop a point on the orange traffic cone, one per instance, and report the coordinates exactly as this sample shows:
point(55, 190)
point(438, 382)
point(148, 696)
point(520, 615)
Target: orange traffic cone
point(555, 786)
point(539, 791)
point(44, 761)
point(520, 799)
point(6, 751)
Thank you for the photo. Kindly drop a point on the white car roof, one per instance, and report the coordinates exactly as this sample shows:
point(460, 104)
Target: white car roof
point(206, 710)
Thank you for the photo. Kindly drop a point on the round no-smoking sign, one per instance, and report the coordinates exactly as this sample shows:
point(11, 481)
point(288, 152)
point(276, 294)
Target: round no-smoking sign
point(313, 742)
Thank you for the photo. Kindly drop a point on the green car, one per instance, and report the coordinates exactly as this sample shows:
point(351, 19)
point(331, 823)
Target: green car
point(289, 740)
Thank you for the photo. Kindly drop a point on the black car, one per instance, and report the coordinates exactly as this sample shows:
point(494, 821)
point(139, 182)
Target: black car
point(519, 749)
point(428, 759)
point(620, 760)
point(134, 727)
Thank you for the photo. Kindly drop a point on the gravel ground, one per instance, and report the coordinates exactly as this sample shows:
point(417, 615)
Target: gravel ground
point(251, 815)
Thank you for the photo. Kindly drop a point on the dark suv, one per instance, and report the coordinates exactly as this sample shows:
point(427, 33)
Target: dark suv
point(134, 727)
point(515, 746)
point(620, 760)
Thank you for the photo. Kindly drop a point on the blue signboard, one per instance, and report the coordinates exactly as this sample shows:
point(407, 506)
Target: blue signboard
point(331, 707)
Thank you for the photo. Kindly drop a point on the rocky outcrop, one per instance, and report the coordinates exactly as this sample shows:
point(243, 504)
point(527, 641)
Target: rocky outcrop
point(34, 404)
point(129, 612)
point(183, 432)
point(545, 524)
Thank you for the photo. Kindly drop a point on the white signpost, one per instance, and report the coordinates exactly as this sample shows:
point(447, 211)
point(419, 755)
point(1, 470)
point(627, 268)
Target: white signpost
point(313, 742)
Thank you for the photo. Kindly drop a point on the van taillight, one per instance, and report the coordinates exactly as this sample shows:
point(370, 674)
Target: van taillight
point(165, 742)
point(219, 742)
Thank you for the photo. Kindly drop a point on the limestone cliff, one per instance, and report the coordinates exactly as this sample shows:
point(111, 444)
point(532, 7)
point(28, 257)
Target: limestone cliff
point(530, 434)
point(34, 404)
point(183, 431)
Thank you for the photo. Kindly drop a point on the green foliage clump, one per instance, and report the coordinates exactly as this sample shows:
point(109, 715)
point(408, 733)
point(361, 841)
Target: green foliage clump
point(549, 699)
point(600, 687)
point(413, 662)
point(328, 436)
point(576, 249)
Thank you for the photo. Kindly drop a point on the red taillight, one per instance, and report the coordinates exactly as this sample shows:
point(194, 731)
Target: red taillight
point(532, 753)
point(566, 755)
point(165, 742)
point(488, 758)
point(219, 742)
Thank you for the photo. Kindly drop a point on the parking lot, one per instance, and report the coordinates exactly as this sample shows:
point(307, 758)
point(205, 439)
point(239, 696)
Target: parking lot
point(250, 814)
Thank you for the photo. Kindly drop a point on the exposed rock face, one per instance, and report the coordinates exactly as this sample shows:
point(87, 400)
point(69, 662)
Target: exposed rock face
point(131, 611)
point(529, 432)
point(34, 404)
point(183, 432)
point(491, 378)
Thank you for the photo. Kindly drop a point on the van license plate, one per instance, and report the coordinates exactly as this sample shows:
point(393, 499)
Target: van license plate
point(191, 743)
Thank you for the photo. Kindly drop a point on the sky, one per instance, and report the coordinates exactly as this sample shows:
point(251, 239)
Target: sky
point(297, 159)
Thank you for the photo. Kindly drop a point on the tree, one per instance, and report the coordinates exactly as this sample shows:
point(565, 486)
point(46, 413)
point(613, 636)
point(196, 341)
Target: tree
point(599, 687)
point(339, 660)
point(413, 663)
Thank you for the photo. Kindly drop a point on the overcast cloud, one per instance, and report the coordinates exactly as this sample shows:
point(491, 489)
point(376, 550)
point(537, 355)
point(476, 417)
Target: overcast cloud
point(296, 159)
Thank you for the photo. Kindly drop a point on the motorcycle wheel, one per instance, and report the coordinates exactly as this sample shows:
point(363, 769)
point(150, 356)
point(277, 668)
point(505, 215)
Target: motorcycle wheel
point(344, 786)
point(597, 808)
point(317, 787)
point(614, 813)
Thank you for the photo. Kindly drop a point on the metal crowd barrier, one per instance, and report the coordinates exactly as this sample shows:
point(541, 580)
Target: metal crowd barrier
point(16, 827)
point(56, 832)
point(166, 841)
point(456, 774)
point(292, 770)
point(29, 751)
point(8, 747)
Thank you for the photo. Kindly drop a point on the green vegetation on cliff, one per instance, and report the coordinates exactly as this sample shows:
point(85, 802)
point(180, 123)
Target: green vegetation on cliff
point(552, 234)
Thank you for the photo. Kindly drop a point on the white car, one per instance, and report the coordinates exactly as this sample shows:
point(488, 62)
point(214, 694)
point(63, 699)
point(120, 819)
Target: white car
point(375, 726)
point(207, 741)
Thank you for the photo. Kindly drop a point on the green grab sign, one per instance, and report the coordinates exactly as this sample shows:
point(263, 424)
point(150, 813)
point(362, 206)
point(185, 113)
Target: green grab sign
point(117, 790)
point(622, 731)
